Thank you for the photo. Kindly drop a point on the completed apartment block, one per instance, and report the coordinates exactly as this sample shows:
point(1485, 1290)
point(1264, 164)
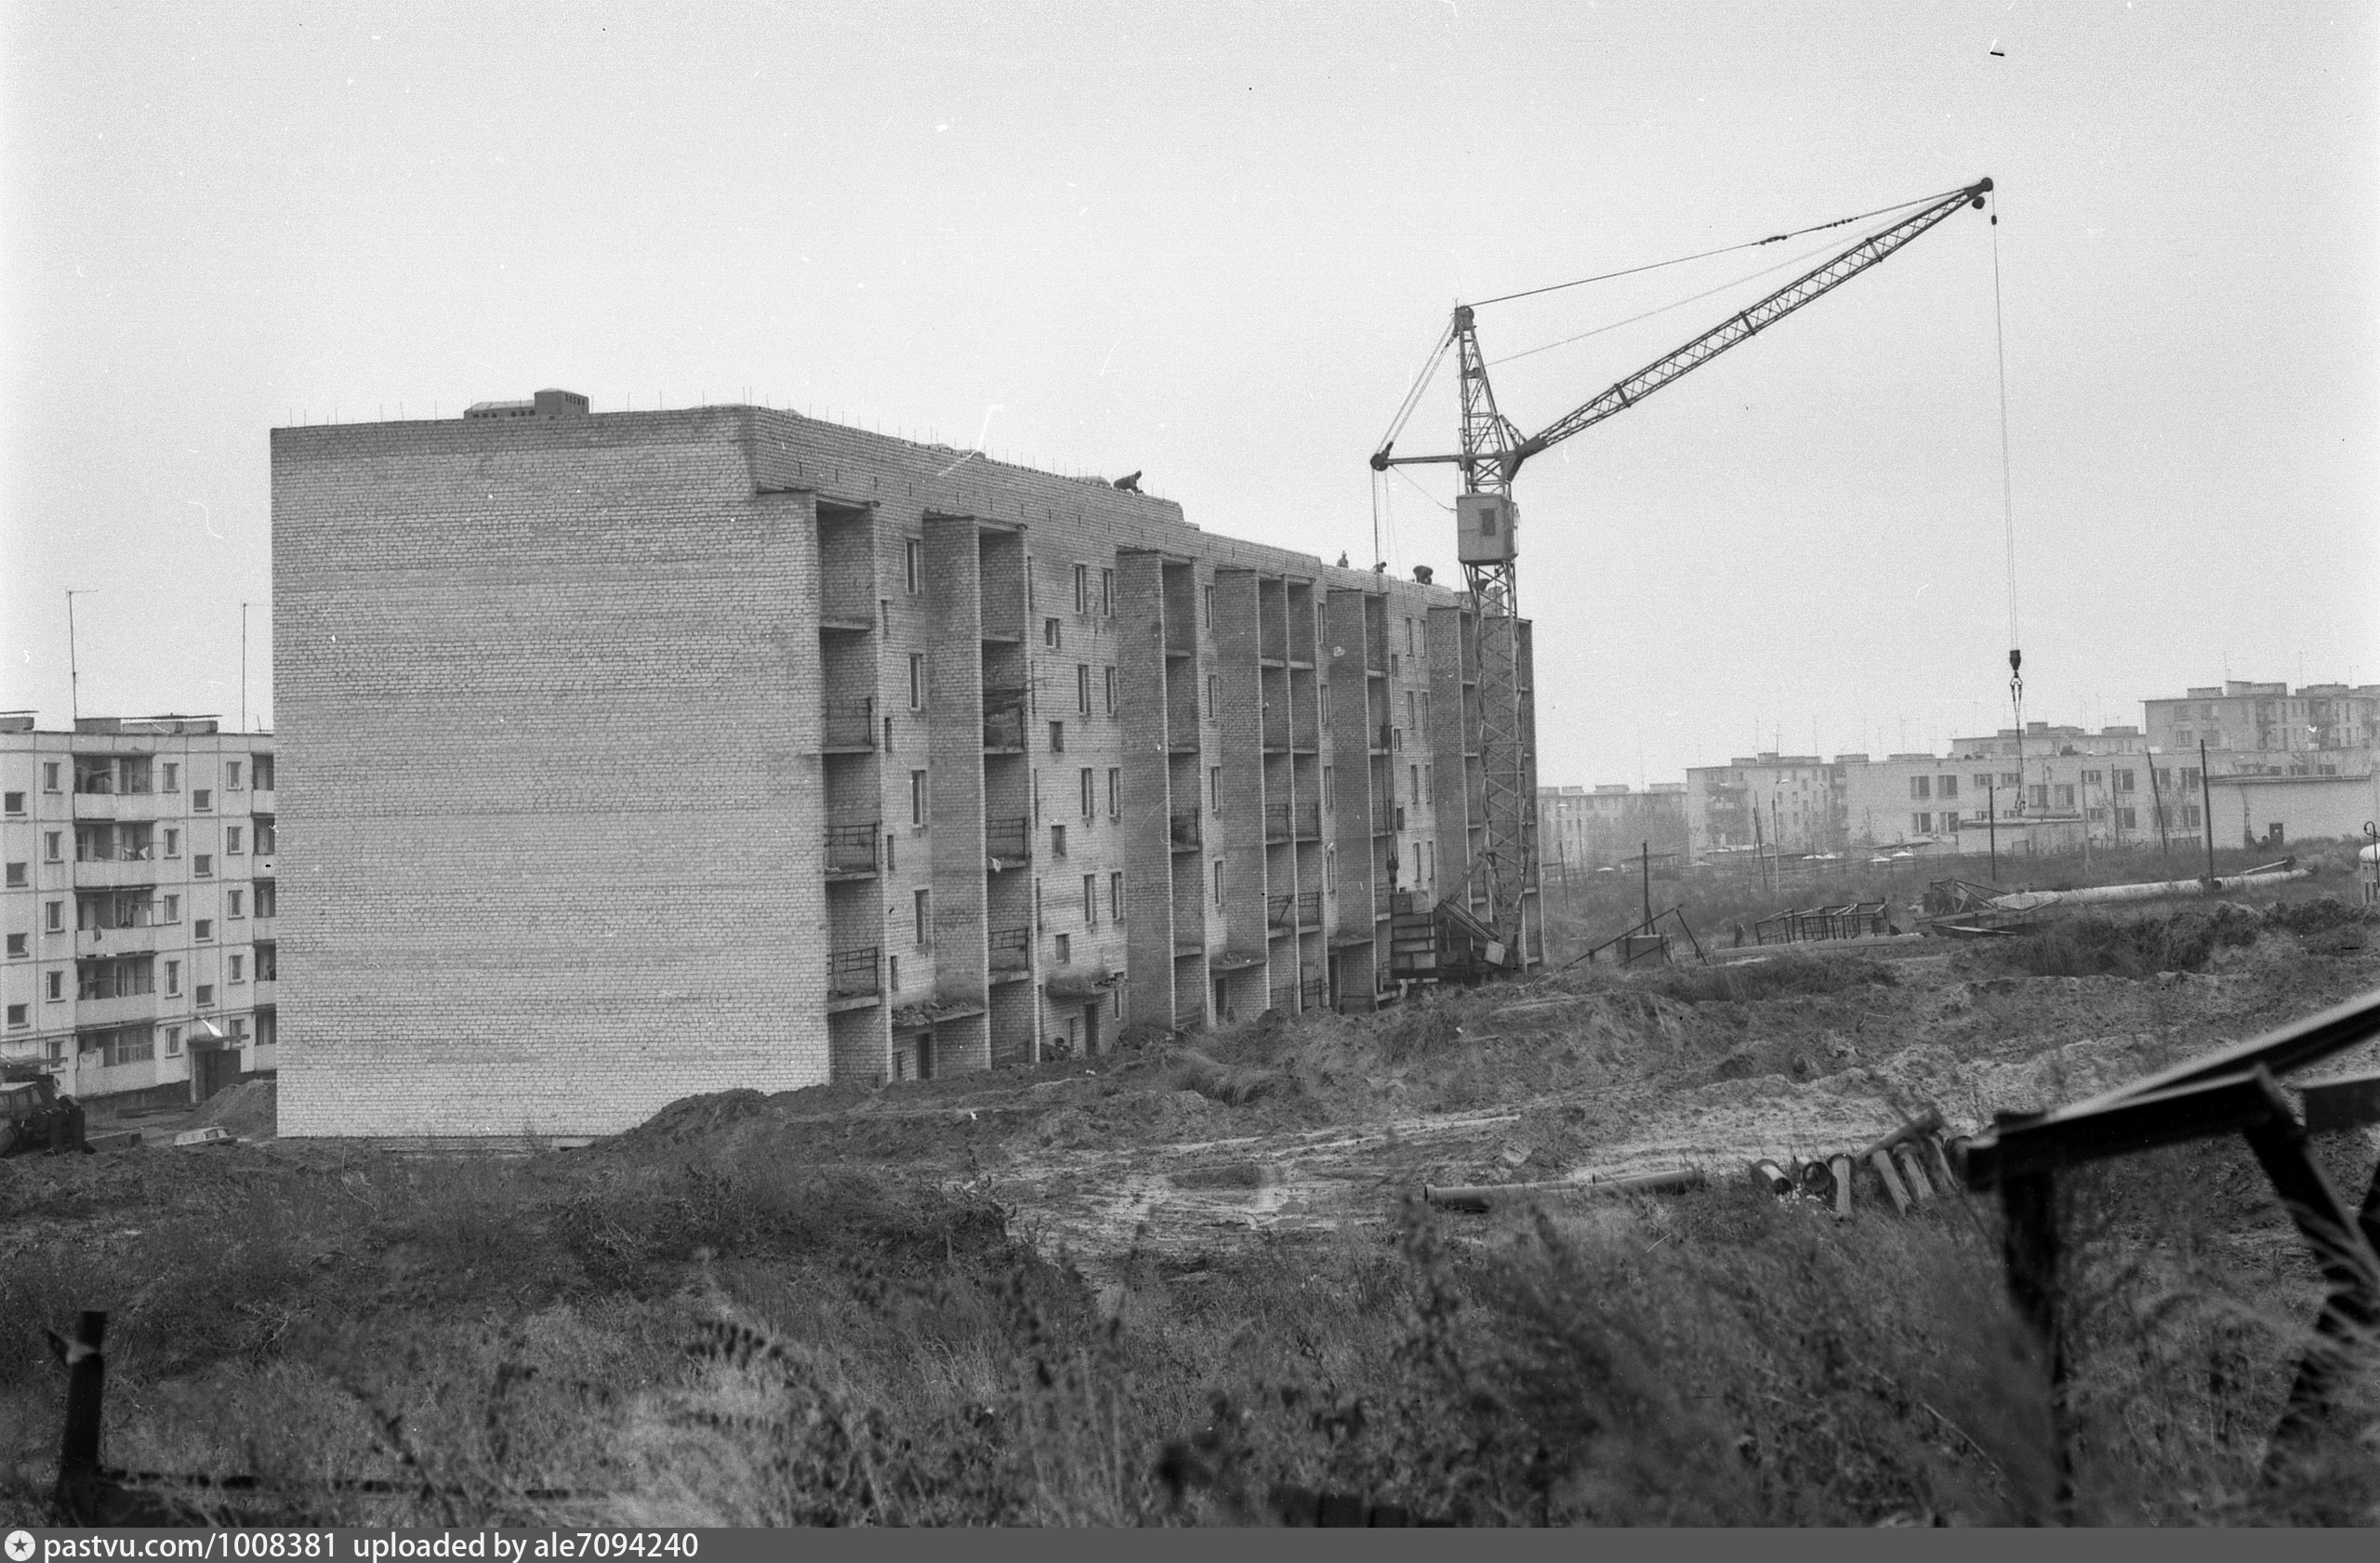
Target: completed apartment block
point(638, 754)
point(140, 905)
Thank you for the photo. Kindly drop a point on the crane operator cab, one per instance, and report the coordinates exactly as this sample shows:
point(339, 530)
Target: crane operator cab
point(1483, 524)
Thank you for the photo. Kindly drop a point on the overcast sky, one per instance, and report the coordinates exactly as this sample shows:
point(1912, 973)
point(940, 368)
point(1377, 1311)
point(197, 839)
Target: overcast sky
point(1213, 242)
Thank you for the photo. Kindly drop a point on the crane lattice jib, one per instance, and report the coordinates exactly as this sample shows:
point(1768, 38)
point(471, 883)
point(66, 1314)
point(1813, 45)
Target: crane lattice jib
point(1504, 872)
point(1804, 289)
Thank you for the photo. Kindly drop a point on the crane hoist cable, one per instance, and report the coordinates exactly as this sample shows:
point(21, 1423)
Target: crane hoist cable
point(1705, 255)
point(2008, 512)
point(1664, 309)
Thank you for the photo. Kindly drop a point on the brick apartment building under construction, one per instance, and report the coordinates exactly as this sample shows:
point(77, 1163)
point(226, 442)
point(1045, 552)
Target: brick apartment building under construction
point(632, 755)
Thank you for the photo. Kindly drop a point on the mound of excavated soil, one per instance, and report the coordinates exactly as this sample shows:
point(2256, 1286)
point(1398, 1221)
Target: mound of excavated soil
point(695, 1120)
point(246, 1112)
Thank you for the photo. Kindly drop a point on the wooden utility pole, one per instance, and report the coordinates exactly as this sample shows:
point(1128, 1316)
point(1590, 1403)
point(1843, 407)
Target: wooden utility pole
point(2157, 799)
point(1991, 827)
point(2206, 806)
point(1645, 860)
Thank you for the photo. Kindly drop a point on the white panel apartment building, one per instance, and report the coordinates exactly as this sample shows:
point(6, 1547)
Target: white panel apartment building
point(140, 904)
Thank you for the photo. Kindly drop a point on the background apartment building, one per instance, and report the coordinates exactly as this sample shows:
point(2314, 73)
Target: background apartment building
point(1786, 803)
point(2043, 793)
point(2268, 717)
point(1588, 828)
point(139, 905)
point(640, 754)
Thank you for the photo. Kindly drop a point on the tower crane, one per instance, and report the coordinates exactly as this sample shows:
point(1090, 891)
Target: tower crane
point(1492, 450)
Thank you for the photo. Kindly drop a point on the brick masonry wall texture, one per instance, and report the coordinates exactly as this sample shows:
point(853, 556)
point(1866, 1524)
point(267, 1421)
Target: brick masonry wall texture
point(550, 724)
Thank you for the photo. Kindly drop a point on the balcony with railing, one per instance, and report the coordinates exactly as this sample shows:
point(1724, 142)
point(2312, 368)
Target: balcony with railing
point(1183, 830)
point(1278, 912)
point(1277, 730)
point(854, 976)
point(1008, 840)
point(1381, 734)
point(1189, 1017)
point(123, 869)
point(1012, 952)
point(1277, 822)
point(1283, 997)
point(851, 850)
point(1309, 908)
point(1384, 818)
point(848, 726)
point(1313, 993)
point(1309, 822)
point(131, 938)
point(1004, 720)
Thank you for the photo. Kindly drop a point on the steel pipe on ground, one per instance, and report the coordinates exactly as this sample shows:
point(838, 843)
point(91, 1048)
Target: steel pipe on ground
point(1883, 1161)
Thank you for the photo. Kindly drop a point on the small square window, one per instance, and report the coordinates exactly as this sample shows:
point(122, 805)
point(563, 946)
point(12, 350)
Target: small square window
point(19, 1016)
point(206, 996)
point(17, 876)
point(202, 866)
point(202, 929)
point(201, 800)
point(17, 948)
point(16, 803)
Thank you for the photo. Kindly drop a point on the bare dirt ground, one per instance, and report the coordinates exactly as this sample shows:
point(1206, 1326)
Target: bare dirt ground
point(1558, 1078)
point(1329, 1122)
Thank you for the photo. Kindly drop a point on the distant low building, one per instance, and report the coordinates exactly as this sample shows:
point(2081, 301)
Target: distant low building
point(2267, 809)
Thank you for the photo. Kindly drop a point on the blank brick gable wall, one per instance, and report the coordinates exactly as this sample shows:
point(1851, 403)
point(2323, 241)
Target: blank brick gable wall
point(551, 801)
point(549, 692)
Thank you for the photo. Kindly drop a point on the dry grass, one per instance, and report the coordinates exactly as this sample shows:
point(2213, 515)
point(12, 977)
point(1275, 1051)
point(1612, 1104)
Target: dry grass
point(738, 1341)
